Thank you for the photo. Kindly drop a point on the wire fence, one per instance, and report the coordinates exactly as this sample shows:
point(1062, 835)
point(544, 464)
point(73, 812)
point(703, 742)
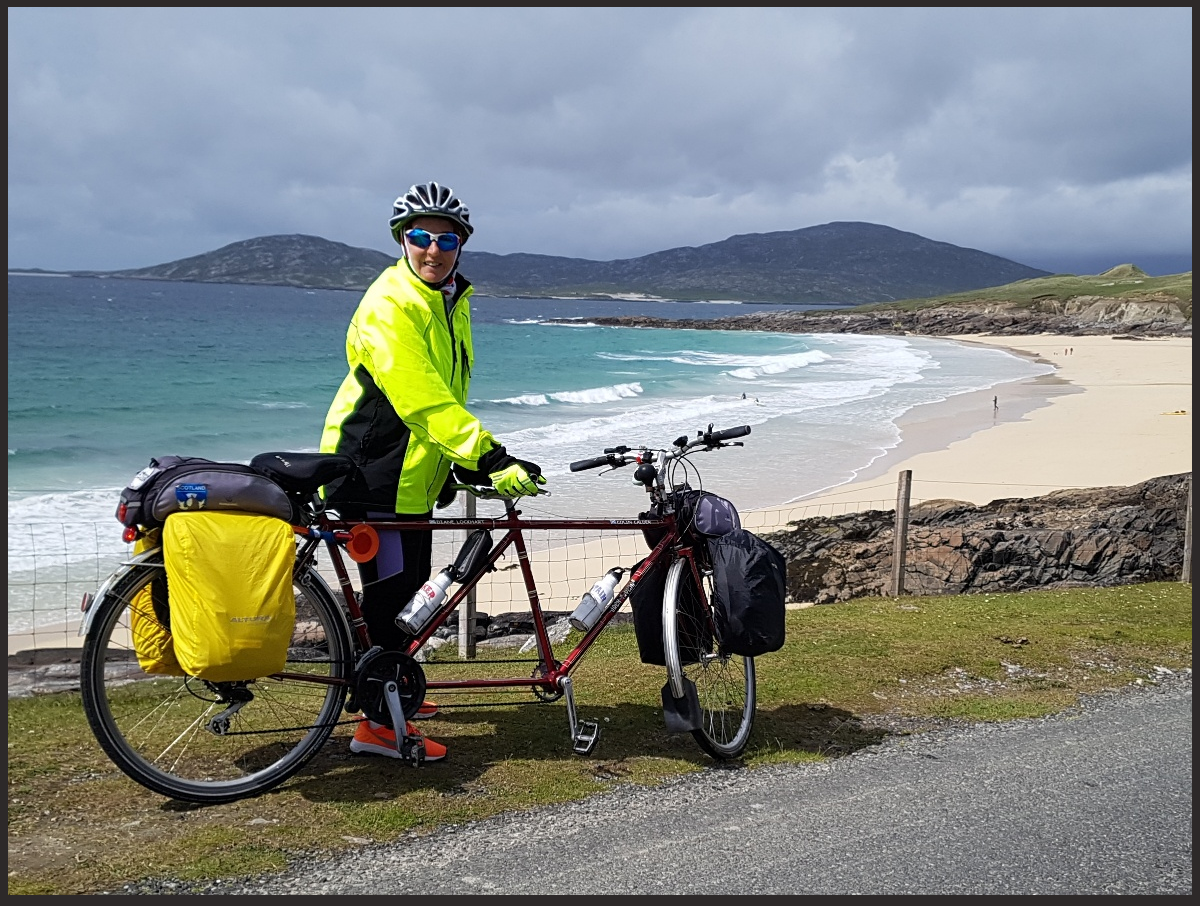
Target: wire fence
point(52, 565)
point(67, 561)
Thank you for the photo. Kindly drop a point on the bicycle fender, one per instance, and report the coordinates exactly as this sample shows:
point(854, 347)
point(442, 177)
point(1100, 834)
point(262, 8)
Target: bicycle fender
point(89, 615)
point(682, 715)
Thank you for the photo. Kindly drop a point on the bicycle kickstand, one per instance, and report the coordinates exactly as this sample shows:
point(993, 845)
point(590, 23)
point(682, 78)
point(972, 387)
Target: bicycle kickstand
point(584, 733)
point(411, 748)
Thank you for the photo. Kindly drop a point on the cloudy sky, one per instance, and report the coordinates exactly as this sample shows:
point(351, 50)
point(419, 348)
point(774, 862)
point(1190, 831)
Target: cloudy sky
point(1059, 138)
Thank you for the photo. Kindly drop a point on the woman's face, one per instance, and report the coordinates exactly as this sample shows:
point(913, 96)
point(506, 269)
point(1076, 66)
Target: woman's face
point(432, 264)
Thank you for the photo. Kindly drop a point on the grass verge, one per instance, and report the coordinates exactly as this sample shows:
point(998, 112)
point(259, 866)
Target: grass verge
point(850, 675)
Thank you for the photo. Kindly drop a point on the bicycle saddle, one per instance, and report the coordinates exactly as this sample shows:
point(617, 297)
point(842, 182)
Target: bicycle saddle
point(303, 473)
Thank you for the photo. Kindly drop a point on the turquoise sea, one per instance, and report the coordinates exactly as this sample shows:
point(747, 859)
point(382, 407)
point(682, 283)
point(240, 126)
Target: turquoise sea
point(105, 374)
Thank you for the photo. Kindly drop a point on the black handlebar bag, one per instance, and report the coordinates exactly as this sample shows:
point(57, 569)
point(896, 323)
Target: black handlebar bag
point(749, 592)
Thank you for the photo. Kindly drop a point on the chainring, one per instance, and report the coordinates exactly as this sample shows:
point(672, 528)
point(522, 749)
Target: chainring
point(541, 691)
point(375, 669)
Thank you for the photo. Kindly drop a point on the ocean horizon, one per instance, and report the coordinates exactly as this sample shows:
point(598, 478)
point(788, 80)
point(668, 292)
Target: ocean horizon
point(105, 374)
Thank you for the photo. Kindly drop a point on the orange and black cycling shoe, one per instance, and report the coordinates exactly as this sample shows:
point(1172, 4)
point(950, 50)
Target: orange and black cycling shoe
point(427, 710)
point(376, 739)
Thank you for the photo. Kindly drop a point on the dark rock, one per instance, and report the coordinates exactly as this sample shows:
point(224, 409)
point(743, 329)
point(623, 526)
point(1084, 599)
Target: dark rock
point(1072, 538)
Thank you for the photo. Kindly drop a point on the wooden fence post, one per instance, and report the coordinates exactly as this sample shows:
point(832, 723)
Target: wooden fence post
point(903, 493)
point(466, 610)
point(1186, 575)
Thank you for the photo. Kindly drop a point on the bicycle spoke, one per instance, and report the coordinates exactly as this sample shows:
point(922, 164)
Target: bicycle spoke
point(160, 730)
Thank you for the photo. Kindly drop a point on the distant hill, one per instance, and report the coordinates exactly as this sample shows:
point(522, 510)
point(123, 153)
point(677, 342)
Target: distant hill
point(295, 260)
point(1123, 301)
point(833, 264)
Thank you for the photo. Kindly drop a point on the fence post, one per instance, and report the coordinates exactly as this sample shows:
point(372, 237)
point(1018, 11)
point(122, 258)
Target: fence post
point(466, 610)
point(903, 493)
point(1186, 575)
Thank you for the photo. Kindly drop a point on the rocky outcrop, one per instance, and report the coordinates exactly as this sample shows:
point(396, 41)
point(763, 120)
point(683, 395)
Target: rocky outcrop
point(1078, 316)
point(1075, 538)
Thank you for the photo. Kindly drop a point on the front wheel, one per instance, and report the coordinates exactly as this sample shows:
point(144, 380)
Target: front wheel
point(200, 741)
point(724, 683)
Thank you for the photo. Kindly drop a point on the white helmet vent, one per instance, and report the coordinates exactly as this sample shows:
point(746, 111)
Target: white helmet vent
point(429, 200)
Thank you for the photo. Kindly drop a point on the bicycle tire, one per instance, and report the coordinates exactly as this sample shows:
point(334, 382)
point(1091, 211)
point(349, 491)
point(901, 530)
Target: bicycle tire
point(725, 683)
point(159, 729)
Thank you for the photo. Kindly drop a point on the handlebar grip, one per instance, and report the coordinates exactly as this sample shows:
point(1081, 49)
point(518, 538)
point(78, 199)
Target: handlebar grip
point(727, 434)
point(593, 463)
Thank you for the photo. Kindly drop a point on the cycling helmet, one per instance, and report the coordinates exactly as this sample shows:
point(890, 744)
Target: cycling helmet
point(429, 200)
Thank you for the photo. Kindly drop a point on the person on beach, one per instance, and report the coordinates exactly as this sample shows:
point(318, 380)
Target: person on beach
point(400, 414)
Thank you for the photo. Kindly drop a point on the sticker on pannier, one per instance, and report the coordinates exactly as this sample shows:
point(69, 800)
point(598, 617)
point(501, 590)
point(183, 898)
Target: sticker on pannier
point(749, 593)
point(150, 619)
point(233, 608)
point(173, 484)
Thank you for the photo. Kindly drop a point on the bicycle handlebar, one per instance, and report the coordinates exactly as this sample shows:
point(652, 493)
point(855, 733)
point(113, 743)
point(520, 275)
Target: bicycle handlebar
point(596, 462)
point(620, 456)
point(727, 434)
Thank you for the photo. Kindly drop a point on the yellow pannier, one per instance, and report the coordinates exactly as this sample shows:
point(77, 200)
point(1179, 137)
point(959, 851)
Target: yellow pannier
point(232, 604)
point(150, 620)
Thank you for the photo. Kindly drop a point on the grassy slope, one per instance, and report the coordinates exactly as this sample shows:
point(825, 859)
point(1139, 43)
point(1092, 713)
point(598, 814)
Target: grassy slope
point(1125, 282)
point(849, 675)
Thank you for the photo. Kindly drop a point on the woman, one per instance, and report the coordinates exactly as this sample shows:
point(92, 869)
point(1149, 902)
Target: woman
point(401, 414)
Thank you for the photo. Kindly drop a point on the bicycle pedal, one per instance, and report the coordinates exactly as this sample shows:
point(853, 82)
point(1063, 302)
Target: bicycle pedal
point(414, 753)
point(411, 749)
point(587, 734)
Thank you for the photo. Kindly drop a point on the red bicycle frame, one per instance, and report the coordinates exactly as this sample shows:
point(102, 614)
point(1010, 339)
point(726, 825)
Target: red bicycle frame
point(336, 532)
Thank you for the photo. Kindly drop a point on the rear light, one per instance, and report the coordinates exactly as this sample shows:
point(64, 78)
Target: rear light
point(129, 535)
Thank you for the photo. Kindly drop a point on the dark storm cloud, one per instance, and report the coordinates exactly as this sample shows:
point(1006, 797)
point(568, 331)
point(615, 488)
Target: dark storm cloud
point(141, 136)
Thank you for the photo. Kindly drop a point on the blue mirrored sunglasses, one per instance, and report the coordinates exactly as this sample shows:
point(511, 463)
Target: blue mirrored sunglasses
point(423, 239)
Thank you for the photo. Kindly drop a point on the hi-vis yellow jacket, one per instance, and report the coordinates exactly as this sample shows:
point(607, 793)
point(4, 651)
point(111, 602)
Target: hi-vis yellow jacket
point(400, 412)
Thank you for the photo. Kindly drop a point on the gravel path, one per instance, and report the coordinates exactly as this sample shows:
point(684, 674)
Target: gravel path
point(1095, 800)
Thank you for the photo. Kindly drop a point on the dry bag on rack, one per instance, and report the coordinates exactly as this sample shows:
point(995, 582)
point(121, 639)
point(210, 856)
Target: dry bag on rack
point(749, 593)
point(174, 484)
point(233, 608)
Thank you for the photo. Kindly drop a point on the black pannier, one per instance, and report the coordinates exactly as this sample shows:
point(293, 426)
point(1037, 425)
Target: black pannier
point(172, 484)
point(749, 591)
point(646, 599)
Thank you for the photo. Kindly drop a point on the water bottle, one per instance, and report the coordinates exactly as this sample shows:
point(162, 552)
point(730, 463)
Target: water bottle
point(595, 602)
point(426, 602)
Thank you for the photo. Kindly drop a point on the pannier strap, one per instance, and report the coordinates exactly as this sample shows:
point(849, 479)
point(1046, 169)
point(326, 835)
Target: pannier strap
point(303, 473)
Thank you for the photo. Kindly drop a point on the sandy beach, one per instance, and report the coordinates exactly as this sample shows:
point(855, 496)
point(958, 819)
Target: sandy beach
point(1115, 412)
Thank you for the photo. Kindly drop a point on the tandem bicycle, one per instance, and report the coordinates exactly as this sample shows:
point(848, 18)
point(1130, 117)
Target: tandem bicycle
point(211, 742)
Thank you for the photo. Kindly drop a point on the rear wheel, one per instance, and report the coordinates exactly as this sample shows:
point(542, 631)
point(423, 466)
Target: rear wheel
point(207, 742)
point(725, 684)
